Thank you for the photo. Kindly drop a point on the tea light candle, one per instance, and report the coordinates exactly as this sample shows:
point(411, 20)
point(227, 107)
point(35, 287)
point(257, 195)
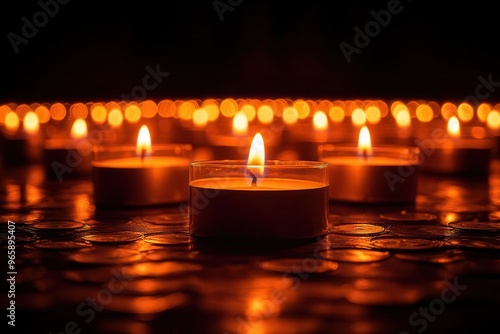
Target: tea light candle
point(234, 143)
point(23, 146)
point(258, 199)
point(68, 157)
point(456, 154)
point(366, 174)
point(142, 176)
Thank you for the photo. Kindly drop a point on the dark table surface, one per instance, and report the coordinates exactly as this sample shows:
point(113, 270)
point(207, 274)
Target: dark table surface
point(85, 270)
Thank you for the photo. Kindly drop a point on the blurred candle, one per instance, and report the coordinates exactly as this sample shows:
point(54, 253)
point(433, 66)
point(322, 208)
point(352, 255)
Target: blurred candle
point(456, 153)
point(368, 174)
point(21, 145)
point(69, 156)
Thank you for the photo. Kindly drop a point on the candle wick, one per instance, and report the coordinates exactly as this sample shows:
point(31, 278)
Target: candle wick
point(254, 178)
point(143, 154)
point(365, 153)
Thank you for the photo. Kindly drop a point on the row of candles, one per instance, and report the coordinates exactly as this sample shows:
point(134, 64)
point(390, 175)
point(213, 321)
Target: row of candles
point(317, 161)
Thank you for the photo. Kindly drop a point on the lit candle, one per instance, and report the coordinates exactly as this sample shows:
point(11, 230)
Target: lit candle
point(21, 142)
point(70, 156)
point(371, 174)
point(454, 152)
point(234, 143)
point(258, 199)
point(143, 175)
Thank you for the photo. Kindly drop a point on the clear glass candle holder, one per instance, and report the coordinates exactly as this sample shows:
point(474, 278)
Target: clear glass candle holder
point(281, 200)
point(123, 177)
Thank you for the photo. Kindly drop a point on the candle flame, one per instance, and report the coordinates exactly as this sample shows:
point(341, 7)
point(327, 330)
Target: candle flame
point(240, 124)
point(364, 142)
point(493, 120)
point(403, 118)
point(454, 127)
point(79, 129)
point(144, 142)
point(11, 122)
point(31, 124)
point(256, 159)
point(320, 121)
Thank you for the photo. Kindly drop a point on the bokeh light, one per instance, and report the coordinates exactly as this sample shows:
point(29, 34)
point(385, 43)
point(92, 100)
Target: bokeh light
point(373, 114)
point(57, 111)
point(465, 112)
point(115, 118)
point(337, 114)
point(358, 117)
point(132, 113)
point(265, 114)
point(31, 125)
point(228, 107)
point(249, 112)
point(425, 113)
point(12, 122)
point(290, 115)
point(482, 111)
point(43, 114)
point(200, 117)
point(98, 113)
point(320, 121)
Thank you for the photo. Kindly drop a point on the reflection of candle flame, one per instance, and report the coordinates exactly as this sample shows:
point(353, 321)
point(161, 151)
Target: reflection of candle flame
point(256, 158)
point(31, 124)
point(79, 129)
point(454, 127)
point(143, 142)
point(240, 123)
point(320, 121)
point(364, 142)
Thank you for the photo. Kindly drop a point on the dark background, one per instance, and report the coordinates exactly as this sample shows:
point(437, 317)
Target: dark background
point(92, 50)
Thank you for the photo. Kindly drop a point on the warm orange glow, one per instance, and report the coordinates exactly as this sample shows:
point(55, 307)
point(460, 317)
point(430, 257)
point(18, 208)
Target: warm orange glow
point(249, 111)
point(478, 132)
point(265, 114)
point(31, 125)
point(395, 107)
point(365, 142)
point(186, 110)
point(57, 111)
point(12, 122)
point(358, 117)
point(133, 113)
point(465, 112)
point(240, 124)
point(373, 114)
point(302, 108)
point(167, 108)
point(200, 117)
point(115, 118)
point(337, 114)
point(320, 121)
point(403, 118)
point(256, 157)
point(43, 114)
point(454, 127)
point(482, 111)
point(493, 120)
point(143, 147)
point(4, 110)
point(290, 115)
point(212, 108)
point(228, 107)
point(79, 129)
point(424, 113)
point(148, 109)
point(448, 110)
point(78, 110)
point(98, 113)
point(22, 110)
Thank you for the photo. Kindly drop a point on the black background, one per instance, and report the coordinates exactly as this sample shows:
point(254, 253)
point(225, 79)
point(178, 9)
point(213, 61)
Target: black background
point(95, 50)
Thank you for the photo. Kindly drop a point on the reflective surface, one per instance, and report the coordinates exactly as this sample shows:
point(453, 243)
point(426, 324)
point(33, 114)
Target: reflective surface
point(380, 269)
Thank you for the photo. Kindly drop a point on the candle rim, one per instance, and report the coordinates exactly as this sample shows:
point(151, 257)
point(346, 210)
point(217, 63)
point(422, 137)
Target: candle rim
point(273, 163)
